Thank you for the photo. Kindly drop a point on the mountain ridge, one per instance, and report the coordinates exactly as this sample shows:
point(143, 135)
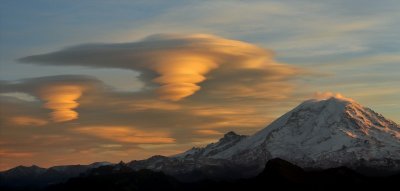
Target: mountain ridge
point(317, 134)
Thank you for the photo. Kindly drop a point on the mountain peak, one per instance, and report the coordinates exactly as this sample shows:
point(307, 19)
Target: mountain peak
point(331, 106)
point(25, 170)
point(99, 164)
point(34, 167)
point(340, 100)
point(230, 134)
point(338, 112)
point(230, 137)
point(332, 96)
point(330, 100)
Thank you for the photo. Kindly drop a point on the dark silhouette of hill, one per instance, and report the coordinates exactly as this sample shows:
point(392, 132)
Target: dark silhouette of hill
point(278, 173)
point(34, 177)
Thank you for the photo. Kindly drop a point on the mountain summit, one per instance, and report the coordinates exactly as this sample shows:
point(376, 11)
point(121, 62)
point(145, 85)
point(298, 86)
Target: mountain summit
point(317, 134)
point(324, 134)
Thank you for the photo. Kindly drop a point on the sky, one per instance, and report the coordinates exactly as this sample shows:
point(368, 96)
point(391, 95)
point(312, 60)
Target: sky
point(86, 81)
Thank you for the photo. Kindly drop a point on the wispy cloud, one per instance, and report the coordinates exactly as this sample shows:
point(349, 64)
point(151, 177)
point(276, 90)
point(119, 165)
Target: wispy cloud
point(125, 134)
point(237, 84)
point(208, 132)
point(28, 121)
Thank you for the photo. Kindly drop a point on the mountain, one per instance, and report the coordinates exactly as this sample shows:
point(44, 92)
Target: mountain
point(325, 134)
point(36, 177)
point(317, 134)
point(198, 163)
point(277, 173)
point(335, 133)
point(229, 140)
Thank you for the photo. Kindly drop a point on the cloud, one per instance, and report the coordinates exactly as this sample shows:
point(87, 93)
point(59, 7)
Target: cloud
point(236, 98)
point(20, 112)
point(177, 63)
point(19, 95)
point(28, 121)
point(125, 134)
point(327, 95)
point(62, 100)
point(150, 104)
point(221, 84)
point(60, 93)
point(208, 132)
point(8, 153)
point(139, 119)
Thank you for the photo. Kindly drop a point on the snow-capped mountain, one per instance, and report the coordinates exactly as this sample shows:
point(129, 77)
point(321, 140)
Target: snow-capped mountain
point(316, 134)
point(324, 134)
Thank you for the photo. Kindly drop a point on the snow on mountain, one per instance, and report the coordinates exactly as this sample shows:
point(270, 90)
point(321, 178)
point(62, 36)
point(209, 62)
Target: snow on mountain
point(319, 133)
point(324, 134)
point(229, 140)
point(195, 163)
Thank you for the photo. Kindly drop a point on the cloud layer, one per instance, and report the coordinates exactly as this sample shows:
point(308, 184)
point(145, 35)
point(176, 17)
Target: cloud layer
point(196, 87)
point(177, 63)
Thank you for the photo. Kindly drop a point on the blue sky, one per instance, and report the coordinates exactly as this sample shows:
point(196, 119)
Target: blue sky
point(348, 47)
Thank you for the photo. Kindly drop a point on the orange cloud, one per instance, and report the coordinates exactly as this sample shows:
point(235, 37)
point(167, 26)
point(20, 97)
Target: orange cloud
point(228, 117)
point(28, 121)
point(125, 134)
point(327, 95)
point(221, 111)
point(179, 78)
point(208, 132)
point(182, 68)
point(62, 100)
point(151, 104)
point(14, 154)
point(177, 63)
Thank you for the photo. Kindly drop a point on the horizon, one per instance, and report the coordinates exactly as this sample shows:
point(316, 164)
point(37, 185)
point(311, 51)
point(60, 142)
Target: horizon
point(121, 81)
